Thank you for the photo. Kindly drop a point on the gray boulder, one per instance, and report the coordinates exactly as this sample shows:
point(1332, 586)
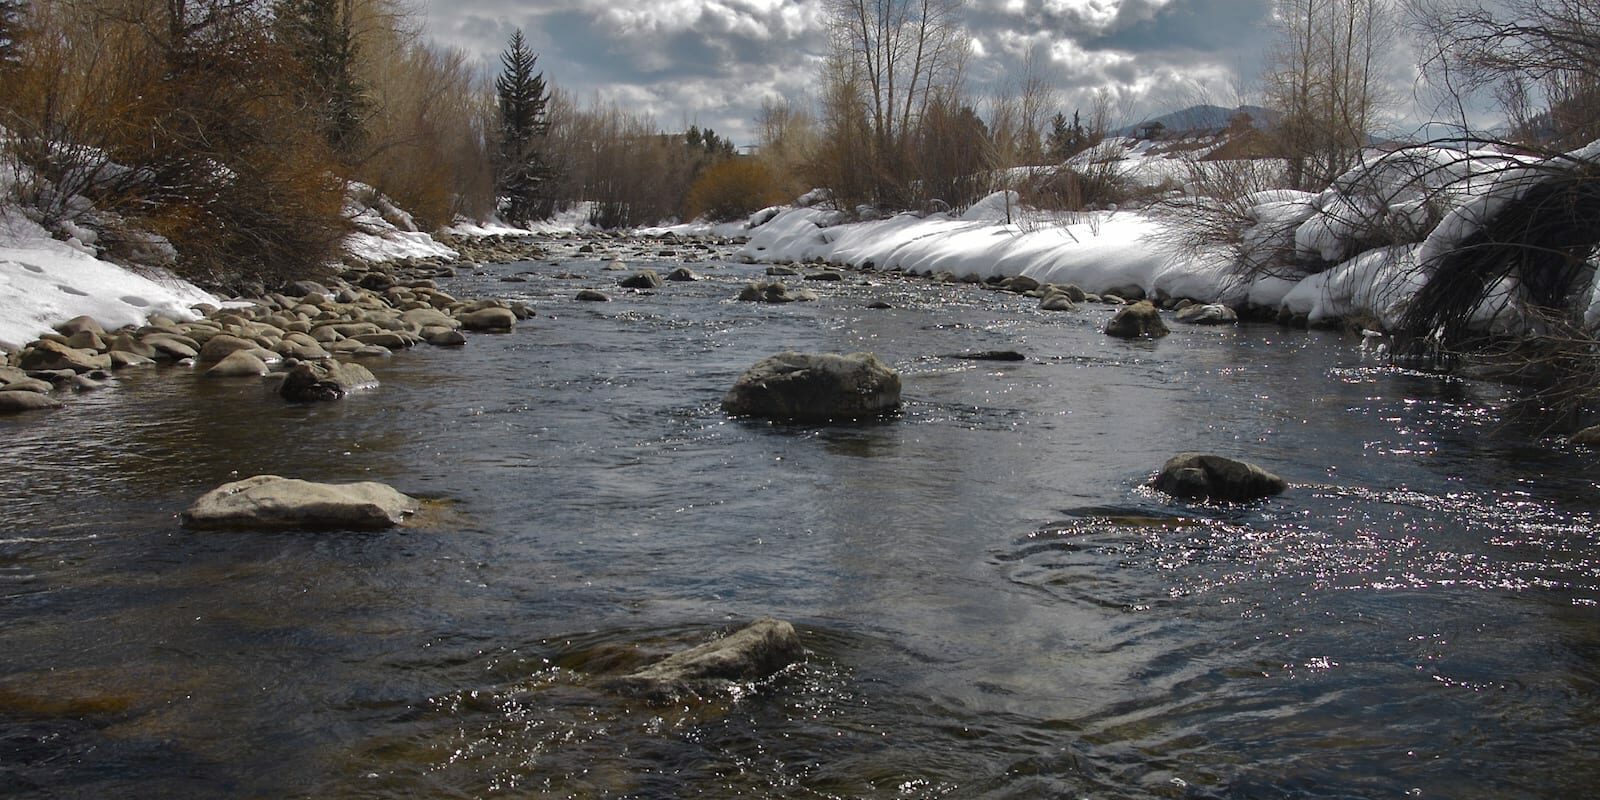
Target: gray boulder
point(269, 502)
point(221, 346)
point(446, 338)
point(489, 319)
point(756, 652)
point(19, 401)
point(47, 354)
point(1131, 292)
point(643, 279)
point(592, 296)
point(80, 323)
point(774, 293)
point(26, 384)
point(1141, 319)
point(325, 380)
point(238, 364)
point(808, 387)
point(1020, 284)
point(1199, 476)
point(170, 346)
point(682, 274)
point(1056, 301)
point(1208, 314)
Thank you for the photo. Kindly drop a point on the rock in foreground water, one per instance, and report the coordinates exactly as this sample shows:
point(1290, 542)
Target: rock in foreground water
point(755, 652)
point(270, 502)
point(1198, 476)
point(810, 387)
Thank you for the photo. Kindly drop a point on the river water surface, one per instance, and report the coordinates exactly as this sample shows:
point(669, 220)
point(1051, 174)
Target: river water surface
point(993, 604)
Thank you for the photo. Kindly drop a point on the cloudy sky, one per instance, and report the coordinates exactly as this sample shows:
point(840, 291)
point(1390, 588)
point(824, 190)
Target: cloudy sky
point(711, 62)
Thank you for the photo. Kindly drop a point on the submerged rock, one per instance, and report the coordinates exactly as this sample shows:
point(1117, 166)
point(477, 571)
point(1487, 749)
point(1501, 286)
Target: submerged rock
point(271, 502)
point(991, 355)
point(1199, 476)
point(752, 653)
point(682, 274)
point(1141, 319)
point(592, 296)
point(806, 387)
point(774, 293)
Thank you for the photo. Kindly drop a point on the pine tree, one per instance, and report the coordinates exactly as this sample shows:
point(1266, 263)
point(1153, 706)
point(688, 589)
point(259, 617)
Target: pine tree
point(1059, 143)
point(524, 171)
point(320, 35)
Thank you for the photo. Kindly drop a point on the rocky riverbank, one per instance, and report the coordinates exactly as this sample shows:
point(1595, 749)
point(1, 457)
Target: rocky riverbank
point(308, 336)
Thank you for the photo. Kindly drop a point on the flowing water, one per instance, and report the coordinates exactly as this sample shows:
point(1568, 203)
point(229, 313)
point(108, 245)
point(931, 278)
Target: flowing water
point(994, 604)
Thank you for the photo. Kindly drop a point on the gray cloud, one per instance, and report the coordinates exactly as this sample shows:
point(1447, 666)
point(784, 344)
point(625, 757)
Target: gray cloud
point(711, 62)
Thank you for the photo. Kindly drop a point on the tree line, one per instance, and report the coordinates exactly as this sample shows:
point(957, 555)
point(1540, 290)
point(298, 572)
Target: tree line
point(223, 136)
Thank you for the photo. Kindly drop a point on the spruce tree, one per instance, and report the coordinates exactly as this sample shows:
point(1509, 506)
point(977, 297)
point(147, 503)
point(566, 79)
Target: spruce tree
point(320, 36)
point(523, 169)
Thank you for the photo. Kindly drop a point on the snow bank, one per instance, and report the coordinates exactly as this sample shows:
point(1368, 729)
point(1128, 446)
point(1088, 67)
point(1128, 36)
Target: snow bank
point(44, 282)
point(1097, 251)
point(383, 231)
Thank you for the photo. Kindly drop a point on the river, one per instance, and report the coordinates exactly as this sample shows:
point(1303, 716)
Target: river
point(994, 604)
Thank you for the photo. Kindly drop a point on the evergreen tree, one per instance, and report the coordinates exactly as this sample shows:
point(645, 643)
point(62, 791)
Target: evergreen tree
point(320, 35)
point(1059, 142)
point(524, 172)
point(1066, 141)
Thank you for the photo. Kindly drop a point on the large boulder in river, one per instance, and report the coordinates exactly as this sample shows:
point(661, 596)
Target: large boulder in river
point(324, 380)
point(1199, 476)
point(269, 502)
point(808, 387)
point(1141, 319)
point(755, 652)
point(643, 279)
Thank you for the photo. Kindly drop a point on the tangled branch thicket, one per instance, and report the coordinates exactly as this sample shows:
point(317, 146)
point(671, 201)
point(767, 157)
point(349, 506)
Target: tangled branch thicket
point(1530, 252)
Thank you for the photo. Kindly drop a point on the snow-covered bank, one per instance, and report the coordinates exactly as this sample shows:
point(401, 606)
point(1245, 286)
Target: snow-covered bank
point(44, 282)
point(1361, 249)
point(1099, 251)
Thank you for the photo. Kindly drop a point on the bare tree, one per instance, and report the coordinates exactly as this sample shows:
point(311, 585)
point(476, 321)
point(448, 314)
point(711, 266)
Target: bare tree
point(1539, 58)
point(901, 53)
point(1322, 79)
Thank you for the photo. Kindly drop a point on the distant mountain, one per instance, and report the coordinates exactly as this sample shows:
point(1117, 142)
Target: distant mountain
point(1202, 118)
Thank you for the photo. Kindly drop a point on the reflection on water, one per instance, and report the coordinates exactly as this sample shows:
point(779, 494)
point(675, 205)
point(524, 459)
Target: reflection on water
point(994, 605)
